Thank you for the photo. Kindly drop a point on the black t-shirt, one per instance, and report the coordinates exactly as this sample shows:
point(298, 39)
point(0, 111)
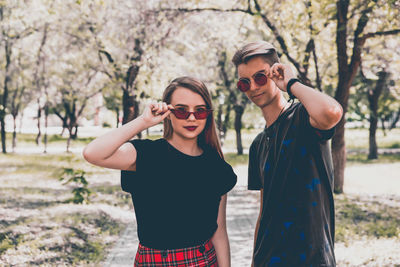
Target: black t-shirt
point(292, 163)
point(176, 196)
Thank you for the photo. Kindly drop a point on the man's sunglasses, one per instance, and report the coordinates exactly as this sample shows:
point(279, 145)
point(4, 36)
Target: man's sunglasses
point(183, 114)
point(259, 78)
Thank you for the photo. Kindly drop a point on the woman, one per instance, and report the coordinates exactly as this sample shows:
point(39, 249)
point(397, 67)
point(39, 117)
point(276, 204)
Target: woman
point(180, 182)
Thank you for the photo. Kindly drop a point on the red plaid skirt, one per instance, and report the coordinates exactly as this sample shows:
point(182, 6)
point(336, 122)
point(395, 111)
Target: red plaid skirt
point(197, 256)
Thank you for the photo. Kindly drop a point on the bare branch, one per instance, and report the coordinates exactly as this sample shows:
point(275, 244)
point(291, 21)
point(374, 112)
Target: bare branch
point(380, 33)
point(194, 10)
point(358, 41)
point(108, 55)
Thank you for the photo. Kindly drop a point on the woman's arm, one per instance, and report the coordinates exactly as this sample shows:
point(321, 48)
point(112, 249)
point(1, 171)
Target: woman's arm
point(220, 238)
point(111, 149)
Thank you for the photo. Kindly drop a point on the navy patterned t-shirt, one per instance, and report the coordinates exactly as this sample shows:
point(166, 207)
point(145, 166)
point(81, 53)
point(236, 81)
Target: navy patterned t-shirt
point(292, 163)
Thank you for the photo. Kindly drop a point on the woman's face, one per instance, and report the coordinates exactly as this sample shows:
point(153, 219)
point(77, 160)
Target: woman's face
point(191, 127)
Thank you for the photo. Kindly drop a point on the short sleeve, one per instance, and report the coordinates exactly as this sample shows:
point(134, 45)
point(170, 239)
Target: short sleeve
point(128, 178)
point(321, 135)
point(254, 179)
point(228, 178)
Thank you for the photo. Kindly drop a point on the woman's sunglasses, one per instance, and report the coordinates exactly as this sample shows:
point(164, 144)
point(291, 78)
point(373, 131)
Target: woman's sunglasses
point(183, 114)
point(259, 78)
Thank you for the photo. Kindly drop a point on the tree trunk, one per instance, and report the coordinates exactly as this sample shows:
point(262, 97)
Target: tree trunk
point(117, 112)
point(14, 137)
point(39, 116)
point(373, 148)
point(130, 109)
point(239, 110)
point(339, 157)
point(395, 120)
point(225, 124)
point(70, 129)
point(341, 95)
point(46, 124)
point(373, 98)
point(219, 124)
point(68, 143)
point(7, 79)
point(383, 125)
point(21, 118)
point(3, 133)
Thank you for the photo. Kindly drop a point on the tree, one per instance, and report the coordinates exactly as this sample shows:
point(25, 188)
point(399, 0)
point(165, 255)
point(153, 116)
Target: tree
point(19, 95)
point(72, 100)
point(373, 98)
point(235, 98)
point(142, 33)
point(13, 29)
point(347, 69)
point(39, 82)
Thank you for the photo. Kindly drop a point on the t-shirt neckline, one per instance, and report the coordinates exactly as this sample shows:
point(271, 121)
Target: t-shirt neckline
point(276, 122)
point(180, 152)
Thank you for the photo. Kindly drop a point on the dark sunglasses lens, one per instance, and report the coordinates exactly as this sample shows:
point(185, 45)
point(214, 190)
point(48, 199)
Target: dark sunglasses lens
point(260, 79)
point(180, 113)
point(243, 85)
point(201, 114)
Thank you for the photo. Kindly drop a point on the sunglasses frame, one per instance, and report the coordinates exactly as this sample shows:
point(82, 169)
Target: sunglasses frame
point(246, 83)
point(195, 114)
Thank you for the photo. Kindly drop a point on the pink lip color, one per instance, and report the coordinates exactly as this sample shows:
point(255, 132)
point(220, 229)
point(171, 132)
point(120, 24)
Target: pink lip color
point(191, 128)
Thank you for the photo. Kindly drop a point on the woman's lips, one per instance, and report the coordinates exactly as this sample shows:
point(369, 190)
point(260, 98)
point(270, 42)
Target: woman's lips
point(191, 128)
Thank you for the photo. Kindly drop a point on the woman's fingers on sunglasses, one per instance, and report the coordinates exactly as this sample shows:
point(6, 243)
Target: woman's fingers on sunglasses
point(160, 108)
point(156, 108)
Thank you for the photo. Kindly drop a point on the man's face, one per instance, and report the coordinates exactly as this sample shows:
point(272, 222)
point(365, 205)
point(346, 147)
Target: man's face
point(259, 95)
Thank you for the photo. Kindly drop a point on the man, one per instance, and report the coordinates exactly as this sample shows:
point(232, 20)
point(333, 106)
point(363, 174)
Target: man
point(289, 162)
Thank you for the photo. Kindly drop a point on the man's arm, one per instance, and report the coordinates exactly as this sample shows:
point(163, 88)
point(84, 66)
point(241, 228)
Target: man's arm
point(325, 112)
point(257, 225)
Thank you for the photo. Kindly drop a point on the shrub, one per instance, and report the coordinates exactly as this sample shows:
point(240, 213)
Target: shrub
point(80, 191)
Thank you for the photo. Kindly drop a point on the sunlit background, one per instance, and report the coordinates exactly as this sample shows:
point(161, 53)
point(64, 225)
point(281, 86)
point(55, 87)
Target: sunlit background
point(72, 70)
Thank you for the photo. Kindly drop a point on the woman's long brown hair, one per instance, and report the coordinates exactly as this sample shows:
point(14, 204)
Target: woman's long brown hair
point(208, 137)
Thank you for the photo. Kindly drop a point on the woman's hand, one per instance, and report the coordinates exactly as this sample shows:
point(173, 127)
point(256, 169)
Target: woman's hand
point(112, 150)
point(154, 113)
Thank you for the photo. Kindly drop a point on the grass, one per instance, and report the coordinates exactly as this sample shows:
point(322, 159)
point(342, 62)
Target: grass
point(362, 158)
point(358, 138)
point(36, 217)
point(356, 218)
point(235, 159)
point(52, 139)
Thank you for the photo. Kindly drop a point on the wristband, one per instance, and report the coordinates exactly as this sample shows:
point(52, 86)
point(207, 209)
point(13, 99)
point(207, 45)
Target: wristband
point(289, 85)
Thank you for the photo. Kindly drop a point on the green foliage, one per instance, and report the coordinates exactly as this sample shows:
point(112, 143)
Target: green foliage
point(81, 191)
point(9, 240)
point(106, 125)
point(5, 243)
